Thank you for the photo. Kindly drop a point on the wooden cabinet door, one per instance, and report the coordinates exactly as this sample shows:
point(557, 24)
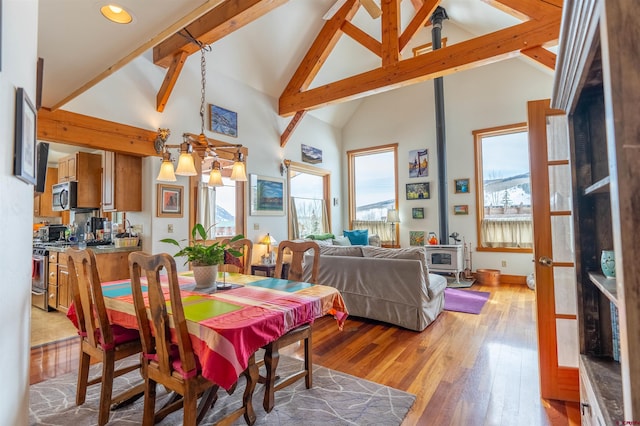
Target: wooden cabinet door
point(71, 168)
point(64, 292)
point(63, 170)
point(46, 199)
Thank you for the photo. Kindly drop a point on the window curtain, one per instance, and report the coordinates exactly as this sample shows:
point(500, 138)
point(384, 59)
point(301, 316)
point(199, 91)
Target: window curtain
point(380, 228)
point(308, 216)
point(207, 208)
point(507, 232)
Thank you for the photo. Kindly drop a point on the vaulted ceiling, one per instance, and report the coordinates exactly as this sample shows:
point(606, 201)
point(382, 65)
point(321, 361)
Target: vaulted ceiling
point(284, 48)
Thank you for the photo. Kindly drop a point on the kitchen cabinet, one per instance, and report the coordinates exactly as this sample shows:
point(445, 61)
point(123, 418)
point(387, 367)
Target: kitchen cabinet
point(121, 182)
point(86, 169)
point(59, 292)
point(42, 203)
point(598, 84)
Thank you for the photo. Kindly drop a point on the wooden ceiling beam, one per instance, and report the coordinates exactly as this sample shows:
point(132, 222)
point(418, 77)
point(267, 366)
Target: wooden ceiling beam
point(542, 56)
point(82, 130)
point(212, 26)
point(419, 20)
point(321, 48)
point(390, 32)
point(361, 37)
point(284, 138)
point(170, 80)
point(472, 53)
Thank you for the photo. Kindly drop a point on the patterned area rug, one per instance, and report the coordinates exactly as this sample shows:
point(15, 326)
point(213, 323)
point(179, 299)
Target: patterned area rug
point(336, 399)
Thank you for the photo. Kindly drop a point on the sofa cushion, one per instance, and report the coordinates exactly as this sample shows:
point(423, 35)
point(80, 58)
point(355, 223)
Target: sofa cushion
point(374, 240)
point(358, 237)
point(341, 241)
point(417, 253)
point(353, 251)
point(320, 237)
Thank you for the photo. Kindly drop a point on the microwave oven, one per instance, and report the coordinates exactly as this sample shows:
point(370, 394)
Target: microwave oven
point(65, 196)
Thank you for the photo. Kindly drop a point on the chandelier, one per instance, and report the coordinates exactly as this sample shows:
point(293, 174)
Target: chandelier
point(186, 164)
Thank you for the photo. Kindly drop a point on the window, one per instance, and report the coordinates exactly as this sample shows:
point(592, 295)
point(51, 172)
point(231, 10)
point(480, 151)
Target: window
point(309, 194)
point(373, 184)
point(503, 192)
point(216, 208)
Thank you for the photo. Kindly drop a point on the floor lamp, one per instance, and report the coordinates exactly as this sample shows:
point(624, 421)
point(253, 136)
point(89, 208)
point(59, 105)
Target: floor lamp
point(393, 217)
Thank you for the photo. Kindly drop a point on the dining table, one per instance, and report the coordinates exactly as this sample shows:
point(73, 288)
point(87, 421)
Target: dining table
point(230, 321)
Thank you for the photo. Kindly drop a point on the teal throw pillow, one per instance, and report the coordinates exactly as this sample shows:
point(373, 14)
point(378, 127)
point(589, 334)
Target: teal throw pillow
point(358, 237)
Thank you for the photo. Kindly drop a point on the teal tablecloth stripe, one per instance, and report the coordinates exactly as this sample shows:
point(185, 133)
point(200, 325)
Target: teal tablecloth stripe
point(118, 290)
point(281, 285)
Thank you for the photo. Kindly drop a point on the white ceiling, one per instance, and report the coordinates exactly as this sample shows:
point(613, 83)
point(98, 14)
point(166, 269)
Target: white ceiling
point(78, 44)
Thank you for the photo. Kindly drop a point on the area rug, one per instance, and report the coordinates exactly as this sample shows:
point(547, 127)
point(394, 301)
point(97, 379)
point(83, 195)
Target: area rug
point(468, 301)
point(336, 398)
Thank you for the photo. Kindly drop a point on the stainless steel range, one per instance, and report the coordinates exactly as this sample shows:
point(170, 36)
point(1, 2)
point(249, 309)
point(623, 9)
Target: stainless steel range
point(40, 278)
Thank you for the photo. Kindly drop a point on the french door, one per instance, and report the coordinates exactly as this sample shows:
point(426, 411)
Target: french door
point(551, 191)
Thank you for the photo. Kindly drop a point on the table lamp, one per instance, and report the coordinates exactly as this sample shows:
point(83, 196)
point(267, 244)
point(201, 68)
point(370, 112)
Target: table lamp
point(269, 241)
point(393, 217)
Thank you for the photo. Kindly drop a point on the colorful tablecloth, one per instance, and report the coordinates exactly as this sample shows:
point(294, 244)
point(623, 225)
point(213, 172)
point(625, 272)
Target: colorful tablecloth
point(228, 326)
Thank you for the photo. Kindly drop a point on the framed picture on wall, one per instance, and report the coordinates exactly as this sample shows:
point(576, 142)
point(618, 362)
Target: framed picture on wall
point(24, 156)
point(419, 163)
point(417, 213)
point(170, 200)
point(223, 121)
point(418, 191)
point(461, 186)
point(267, 196)
point(416, 238)
point(461, 209)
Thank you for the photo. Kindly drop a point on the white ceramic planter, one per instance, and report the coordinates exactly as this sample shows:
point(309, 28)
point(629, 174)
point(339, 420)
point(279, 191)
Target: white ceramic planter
point(205, 276)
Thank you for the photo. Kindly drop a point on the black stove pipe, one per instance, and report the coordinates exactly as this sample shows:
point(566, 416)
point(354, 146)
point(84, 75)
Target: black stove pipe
point(436, 20)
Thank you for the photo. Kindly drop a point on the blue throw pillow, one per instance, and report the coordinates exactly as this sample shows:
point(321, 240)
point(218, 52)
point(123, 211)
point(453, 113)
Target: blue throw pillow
point(358, 237)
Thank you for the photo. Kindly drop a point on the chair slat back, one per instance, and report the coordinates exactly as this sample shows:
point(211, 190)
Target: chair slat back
point(157, 319)
point(87, 295)
point(245, 246)
point(298, 250)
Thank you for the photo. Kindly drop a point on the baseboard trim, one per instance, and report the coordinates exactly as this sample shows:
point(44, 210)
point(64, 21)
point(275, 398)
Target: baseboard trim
point(513, 279)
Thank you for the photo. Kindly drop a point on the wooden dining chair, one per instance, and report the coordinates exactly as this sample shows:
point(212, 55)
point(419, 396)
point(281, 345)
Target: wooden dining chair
point(172, 363)
point(101, 340)
point(301, 333)
point(238, 264)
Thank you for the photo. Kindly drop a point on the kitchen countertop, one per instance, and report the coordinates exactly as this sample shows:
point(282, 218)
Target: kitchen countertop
point(99, 249)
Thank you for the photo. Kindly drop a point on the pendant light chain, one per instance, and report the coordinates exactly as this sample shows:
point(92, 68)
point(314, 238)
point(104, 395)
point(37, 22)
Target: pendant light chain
point(203, 71)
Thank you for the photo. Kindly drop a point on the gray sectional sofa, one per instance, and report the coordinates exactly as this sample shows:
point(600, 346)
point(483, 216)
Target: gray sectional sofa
point(384, 284)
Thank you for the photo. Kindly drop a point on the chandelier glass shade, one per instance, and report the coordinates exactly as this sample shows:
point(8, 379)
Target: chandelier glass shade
point(215, 176)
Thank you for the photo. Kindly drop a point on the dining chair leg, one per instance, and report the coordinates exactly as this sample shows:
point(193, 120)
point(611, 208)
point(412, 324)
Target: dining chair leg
point(148, 416)
point(83, 377)
point(108, 367)
point(308, 362)
point(190, 409)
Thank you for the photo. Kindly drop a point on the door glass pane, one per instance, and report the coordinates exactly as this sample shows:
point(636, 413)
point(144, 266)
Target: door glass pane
point(564, 280)
point(558, 132)
point(568, 349)
point(562, 238)
point(560, 187)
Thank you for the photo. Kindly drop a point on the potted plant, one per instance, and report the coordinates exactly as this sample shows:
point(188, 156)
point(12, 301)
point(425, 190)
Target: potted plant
point(204, 258)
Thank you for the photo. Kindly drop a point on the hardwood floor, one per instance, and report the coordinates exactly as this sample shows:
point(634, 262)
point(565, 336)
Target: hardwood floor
point(464, 369)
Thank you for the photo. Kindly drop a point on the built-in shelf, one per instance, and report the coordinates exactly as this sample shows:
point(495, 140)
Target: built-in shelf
point(606, 285)
point(600, 187)
point(606, 380)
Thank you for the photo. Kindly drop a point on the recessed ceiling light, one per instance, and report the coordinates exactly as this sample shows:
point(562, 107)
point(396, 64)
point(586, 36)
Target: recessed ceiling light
point(116, 14)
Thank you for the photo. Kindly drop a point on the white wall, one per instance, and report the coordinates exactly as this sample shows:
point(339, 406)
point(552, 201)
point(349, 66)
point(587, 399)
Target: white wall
point(19, 57)
point(484, 97)
point(129, 96)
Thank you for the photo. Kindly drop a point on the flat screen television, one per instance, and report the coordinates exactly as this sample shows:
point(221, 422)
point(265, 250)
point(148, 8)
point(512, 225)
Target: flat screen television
point(41, 166)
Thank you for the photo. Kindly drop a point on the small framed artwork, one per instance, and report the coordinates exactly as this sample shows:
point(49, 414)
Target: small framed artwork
point(418, 191)
point(170, 200)
point(461, 209)
point(462, 186)
point(416, 238)
point(267, 196)
point(417, 213)
point(223, 121)
point(419, 163)
point(311, 155)
point(24, 157)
